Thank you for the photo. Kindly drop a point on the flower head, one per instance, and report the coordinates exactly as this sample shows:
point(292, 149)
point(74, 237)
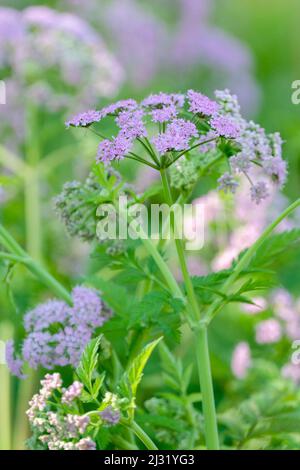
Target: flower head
point(84, 119)
point(225, 126)
point(59, 426)
point(177, 136)
point(201, 128)
point(72, 392)
point(227, 183)
point(276, 168)
point(201, 104)
point(14, 364)
point(131, 124)
point(110, 415)
point(259, 192)
point(116, 149)
point(57, 333)
point(39, 41)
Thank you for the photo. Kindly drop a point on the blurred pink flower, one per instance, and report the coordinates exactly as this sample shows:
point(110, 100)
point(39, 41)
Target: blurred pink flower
point(268, 331)
point(260, 305)
point(241, 360)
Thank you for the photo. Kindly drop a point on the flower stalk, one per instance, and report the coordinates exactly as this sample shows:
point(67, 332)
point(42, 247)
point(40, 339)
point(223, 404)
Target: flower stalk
point(203, 360)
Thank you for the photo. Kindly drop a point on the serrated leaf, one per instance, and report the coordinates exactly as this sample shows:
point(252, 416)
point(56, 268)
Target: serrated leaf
point(134, 374)
point(88, 363)
point(97, 385)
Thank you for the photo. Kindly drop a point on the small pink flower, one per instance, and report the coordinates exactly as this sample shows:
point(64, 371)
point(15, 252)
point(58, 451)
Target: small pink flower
point(241, 360)
point(72, 392)
point(268, 331)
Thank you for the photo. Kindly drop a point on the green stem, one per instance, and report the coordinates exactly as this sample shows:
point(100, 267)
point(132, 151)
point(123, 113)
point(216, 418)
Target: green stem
point(143, 437)
point(246, 258)
point(149, 151)
point(32, 189)
point(163, 267)
point(38, 270)
point(12, 162)
point(5, 394)
point(189, 150)
point(32, 214)
point(135, 157)
point(123, 444)
point(203, 361)
point(206, 384)
point(180, 251)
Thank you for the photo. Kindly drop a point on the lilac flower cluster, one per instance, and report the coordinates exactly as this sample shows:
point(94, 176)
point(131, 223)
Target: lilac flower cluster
point(260, 154)
point(161, 108)
point(196, 124)
point(58, 333)
point(201, 104)
point(59, 429)
point(177, 136)
point(110, 416)
point(37, 40)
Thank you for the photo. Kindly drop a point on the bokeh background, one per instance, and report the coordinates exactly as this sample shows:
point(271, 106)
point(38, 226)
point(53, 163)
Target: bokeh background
point(114, 49)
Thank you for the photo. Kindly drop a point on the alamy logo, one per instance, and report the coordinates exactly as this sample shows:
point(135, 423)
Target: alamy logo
point(123, 221)
point(296, 353)
point(2, 92)
point(296, 93)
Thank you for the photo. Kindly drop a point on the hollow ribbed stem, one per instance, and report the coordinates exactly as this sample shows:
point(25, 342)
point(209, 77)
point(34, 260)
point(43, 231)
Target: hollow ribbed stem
point(202, 350)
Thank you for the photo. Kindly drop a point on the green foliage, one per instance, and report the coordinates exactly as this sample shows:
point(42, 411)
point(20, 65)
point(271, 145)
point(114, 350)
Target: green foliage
point(171, 416)
point(133, 375)
point(270, 414)
point(160, 313)
point(86, 371)
point(270, 253)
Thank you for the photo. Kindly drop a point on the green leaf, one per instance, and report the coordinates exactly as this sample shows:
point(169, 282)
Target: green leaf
point(160, 312)
point(134, 374)
point(273, 248)
point(98, 384)
point(88, 363)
